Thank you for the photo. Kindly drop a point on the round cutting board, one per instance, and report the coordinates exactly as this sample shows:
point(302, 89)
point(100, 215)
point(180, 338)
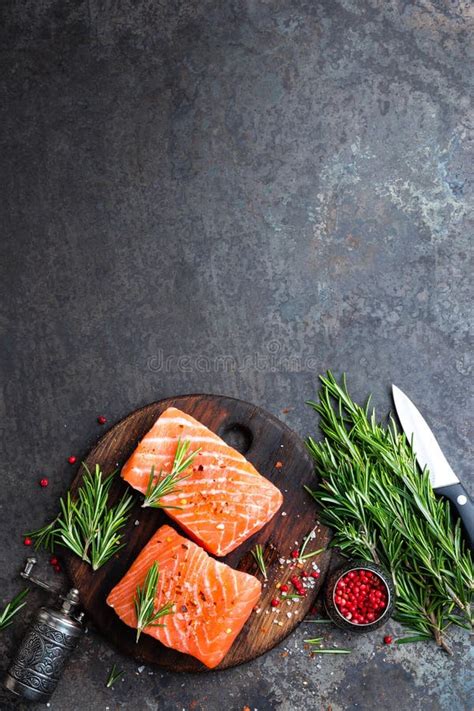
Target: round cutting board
point(279, 455)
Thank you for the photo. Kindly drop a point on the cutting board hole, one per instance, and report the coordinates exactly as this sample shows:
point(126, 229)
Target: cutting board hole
point(237, 436)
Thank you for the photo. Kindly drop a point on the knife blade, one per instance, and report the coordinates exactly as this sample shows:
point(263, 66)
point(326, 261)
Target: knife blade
point(429, 455)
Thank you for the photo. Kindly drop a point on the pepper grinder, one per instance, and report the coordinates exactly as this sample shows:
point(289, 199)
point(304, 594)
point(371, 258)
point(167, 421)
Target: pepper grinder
point(49, 642)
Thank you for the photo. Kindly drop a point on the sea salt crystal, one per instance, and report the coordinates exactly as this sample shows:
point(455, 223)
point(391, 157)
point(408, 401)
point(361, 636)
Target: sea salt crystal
point(137, 523)
point(283, 513)
point(140, 669)
point(289, 614)
point(220, 526)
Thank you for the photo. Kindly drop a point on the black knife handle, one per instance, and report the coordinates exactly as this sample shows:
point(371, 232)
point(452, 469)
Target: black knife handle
point(463, 504)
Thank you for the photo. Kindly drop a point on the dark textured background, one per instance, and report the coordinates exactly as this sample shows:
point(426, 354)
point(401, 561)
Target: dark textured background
point(285, 179)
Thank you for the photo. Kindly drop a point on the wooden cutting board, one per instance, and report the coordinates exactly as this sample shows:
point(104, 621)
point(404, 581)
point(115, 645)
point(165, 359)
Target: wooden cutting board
point(266, 442)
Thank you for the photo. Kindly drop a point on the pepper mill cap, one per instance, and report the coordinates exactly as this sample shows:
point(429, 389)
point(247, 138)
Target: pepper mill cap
point(70, 601)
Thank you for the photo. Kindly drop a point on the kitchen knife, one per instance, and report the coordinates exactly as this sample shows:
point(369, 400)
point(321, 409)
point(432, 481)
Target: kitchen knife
point(428, 454)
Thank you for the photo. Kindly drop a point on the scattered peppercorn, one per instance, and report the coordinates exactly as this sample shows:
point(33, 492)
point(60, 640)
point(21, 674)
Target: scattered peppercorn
point(388, 639)
point(278, 465)
point(71, 460)
point(284, 588)
point(295, 554)
point(28, 541)
point(44, 482)
point(53, 560)
point(101, 420)
point(275, 602)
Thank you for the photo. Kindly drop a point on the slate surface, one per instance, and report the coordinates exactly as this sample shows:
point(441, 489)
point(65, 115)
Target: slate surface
point(231, 197)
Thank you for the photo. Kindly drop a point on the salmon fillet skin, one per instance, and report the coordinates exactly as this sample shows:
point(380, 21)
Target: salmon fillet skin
point(222, 501)
point(211, 600)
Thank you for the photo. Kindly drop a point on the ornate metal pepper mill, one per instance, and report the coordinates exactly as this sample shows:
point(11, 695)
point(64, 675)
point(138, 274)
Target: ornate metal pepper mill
point(54, 633)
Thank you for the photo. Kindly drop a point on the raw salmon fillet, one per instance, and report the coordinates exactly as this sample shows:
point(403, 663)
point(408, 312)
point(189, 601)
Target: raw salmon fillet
point(223, 501)
point(211, 601)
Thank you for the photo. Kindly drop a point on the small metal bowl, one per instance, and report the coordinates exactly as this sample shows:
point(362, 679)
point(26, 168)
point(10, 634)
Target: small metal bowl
point(332, 609)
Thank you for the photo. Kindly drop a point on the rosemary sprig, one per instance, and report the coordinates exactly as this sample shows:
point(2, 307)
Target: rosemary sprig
point(114, 675)
point(311, 534)
point(161, 486)
point(383, 509)
point(305, 556)
point(87, 525)
point(144, 602)
point(11, 608)
point(316, 647)
point(258, 555)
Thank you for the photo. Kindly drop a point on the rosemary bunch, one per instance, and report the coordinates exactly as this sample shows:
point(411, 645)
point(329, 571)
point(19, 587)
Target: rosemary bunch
point(87, 525)
point(144, 602)
point(383, 509)
point(159, 486)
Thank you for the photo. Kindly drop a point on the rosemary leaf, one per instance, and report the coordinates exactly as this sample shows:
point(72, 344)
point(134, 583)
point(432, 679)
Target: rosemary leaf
point(318, 621)
point(306, 556)
point(315, 647)
point(11, 609)
point(114, 675)
point(414, 638)
point(331, 650)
